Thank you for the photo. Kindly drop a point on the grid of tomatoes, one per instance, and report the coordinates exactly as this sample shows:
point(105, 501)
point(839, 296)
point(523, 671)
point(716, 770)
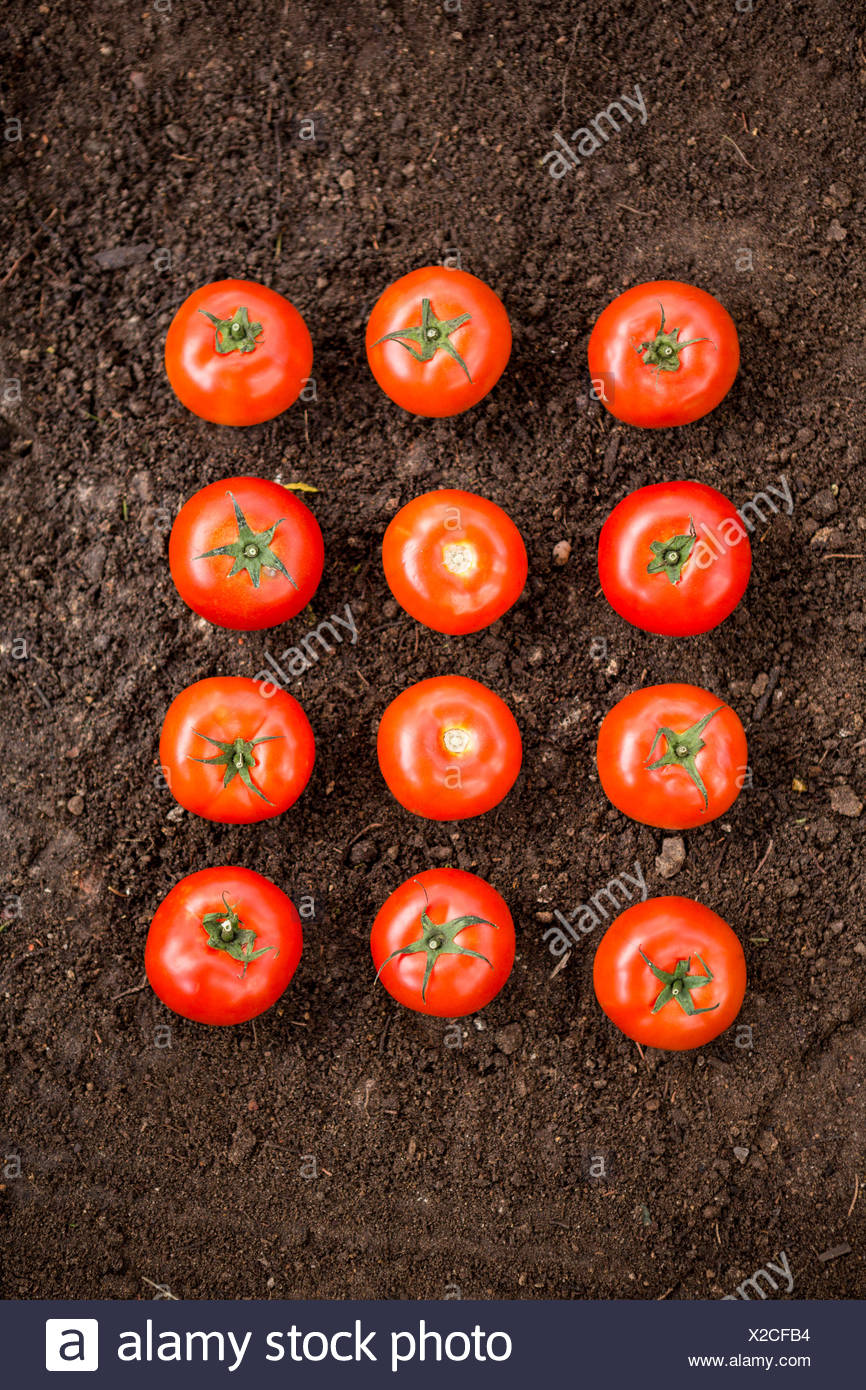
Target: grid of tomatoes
point(245, 553)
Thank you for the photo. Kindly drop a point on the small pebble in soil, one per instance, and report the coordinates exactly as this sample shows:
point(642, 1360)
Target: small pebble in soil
point(741, 1153)
point(509, 1038)
point(75, 805)
point(561, 552)
point(364, 852)
point(845, 802)
point(672, 857)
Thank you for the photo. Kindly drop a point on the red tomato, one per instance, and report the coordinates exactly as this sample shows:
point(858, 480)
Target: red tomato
point(237, 353)
point(670, 973)
point(443, 943)
point(223, 945)
point(449, 748)
point(454, 561)
point(663, 353)
point(246, 553)
point(674, 558)
point(673, 756)
point(231, 753)
point(438, 340)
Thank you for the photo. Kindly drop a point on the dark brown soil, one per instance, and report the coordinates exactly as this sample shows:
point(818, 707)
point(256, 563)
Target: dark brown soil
point(171, 131)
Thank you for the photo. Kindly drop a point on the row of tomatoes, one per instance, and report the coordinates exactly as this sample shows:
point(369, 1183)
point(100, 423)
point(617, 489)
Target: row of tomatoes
point(438, 340)
point(442, 944)
point(246, 553)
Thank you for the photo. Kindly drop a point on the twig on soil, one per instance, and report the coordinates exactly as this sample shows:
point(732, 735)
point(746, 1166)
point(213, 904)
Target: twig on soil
point(856, 1193)
point(28, 250)
point(739, 152)
point(560, 965)
point(640, 212)
point(642, 1057)
point(764, 857)
point(127, 992)
point(374, 825)
point(162, 1289)
point(827, 1255)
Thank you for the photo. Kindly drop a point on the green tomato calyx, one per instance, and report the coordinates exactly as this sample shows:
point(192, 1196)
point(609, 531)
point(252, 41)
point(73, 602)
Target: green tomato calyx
point(670, 556)
point(236, 334)
point(237, 759)
point(679, 985)
point(226, 932)
point(663, 351)
point(437, 939)
point(251, 551)
point(432, 335)
point(682, 749)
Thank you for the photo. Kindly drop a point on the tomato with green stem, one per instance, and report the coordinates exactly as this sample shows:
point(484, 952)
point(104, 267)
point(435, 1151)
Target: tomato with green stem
point(223, 946)
point(438, 340)
point(233, 753)
point(670, 973)
point(454, 561)
point(663, 353)
point(673, 756)
point(674, 558)
point(449, 748)
point(246, 553)
point(237, 353)
point(443, 943)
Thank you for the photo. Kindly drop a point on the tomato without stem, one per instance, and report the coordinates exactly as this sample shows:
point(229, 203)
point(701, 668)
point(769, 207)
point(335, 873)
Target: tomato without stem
point(223, 945)
point(246, 553)
point(673, 756)
point(231, 753)
point(449, 748)
point(663, 353)
point(455, 561)
point(674, 558)
point(438, 340)
point(237, 353)
point(670, 973)
point(443, 943)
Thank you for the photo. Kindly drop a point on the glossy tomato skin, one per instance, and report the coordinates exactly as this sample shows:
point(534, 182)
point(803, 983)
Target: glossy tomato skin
point(439, 386)
point(454, 561)
point(238, 388)
point(208, 521)
point(225, 708)
point(668, 796)
point(449, 748)
point(668, 930)
point(458, 984)
point(640, 394)
point(710, 583)
point(203, 983)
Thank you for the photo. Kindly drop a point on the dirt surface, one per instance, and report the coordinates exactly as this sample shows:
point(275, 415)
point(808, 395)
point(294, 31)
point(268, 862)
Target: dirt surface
point(344, 1146)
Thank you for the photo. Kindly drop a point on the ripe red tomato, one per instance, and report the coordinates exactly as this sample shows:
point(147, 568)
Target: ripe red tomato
point(674, 558)
point(246, 553)
point(663, 353)
point(673, 756)
point(449, 748)
point(454, 561)
point(223, 945)
point(237, 353)
point(670, 973)
point(438, 340)
point(443, 943)
point(232, 754)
